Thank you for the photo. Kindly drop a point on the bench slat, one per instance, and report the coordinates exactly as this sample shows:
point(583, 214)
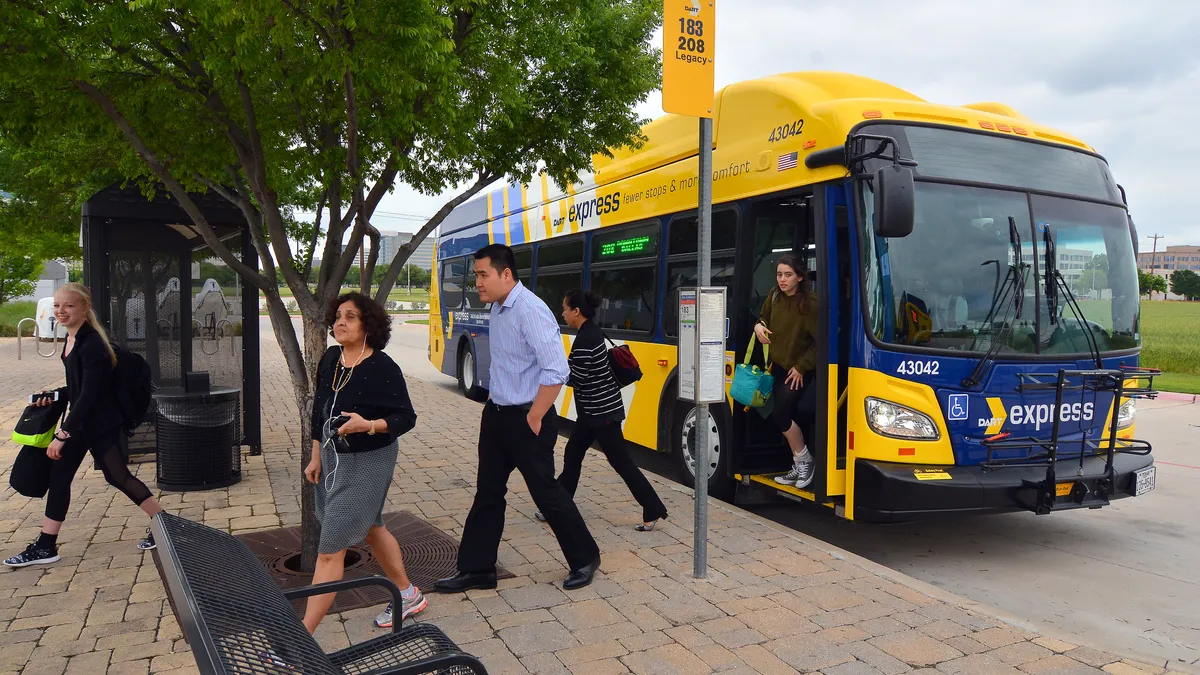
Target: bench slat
point(238, 621)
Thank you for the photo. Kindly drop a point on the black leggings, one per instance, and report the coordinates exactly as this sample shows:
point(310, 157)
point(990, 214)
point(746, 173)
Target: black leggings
point(799, 406)
point(107, 453)
point(612, 444)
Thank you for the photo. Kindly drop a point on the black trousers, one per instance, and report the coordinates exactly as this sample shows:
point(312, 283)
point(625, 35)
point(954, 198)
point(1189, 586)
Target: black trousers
point(799, 406)
point(107, 453)
point(612, 444)
point(505, 443)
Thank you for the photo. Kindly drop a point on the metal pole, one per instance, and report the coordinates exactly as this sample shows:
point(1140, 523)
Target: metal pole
point(704, 255)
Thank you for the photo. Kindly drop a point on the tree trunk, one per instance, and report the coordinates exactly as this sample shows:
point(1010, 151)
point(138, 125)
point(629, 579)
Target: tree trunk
point(315, 341)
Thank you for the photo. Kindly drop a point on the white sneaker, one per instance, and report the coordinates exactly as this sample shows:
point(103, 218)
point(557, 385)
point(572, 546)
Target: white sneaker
point(411, 606)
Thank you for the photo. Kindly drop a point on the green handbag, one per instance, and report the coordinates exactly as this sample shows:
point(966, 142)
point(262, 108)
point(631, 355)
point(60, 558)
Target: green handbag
point(37, 424)
point(752, 386)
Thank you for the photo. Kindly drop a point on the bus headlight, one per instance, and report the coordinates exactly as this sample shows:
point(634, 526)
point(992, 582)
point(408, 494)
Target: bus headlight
point(1125, 414)
point(897, 421)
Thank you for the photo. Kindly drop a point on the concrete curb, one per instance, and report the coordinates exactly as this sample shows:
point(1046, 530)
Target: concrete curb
point(1176, 396)
point(928, 589)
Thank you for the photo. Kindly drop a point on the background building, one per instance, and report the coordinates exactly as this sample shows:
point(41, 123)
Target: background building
point(1163, 263)
point(390, 242)
point(1171, 259)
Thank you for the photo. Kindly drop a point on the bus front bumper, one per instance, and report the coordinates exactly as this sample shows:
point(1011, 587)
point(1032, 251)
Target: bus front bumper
point(889, 492)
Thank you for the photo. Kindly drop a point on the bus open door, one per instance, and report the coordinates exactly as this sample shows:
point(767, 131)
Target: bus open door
point(777, 226)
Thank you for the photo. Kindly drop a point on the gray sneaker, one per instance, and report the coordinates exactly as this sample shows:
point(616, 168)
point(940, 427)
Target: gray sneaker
point(801, 474)
point(411, 606)
point(789, 478)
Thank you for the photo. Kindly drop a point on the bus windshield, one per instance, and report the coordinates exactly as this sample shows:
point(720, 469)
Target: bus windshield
point(949, 284)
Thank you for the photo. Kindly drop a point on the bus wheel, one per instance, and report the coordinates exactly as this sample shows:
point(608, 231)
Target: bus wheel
point(684, 442)
point(468, 373)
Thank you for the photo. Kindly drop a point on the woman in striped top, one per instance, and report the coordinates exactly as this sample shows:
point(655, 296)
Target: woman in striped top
point(600, 409)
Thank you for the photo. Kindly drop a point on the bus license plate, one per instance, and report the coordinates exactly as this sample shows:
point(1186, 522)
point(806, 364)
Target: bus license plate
point(1143, 481)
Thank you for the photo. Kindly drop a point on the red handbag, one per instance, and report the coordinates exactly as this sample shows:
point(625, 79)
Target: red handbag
point(624, 364)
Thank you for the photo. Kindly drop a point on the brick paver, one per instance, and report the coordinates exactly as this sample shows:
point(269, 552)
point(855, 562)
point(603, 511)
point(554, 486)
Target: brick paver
point(774, 602)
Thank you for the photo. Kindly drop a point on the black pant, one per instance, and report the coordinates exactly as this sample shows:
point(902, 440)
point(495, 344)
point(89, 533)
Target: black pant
point(107, 454)
point(612, 444)
point(505, 443)
point(799, 406)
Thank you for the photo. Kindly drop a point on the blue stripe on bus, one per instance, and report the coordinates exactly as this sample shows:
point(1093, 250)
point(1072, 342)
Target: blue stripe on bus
point(516, 230)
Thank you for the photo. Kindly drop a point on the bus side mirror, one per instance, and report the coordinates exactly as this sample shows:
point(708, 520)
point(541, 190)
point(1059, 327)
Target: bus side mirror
point(895, 209)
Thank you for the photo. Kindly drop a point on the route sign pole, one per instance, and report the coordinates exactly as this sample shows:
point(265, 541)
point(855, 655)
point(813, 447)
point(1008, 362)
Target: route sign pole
point(689, 31)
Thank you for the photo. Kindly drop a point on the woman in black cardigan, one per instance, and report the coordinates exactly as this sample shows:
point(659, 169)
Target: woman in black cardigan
point(600, 409)
point(93, 423)
point(360, 409)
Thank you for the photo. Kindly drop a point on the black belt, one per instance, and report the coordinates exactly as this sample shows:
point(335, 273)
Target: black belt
point(524, 407)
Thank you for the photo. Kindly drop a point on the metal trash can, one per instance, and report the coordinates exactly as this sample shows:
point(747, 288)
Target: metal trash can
point(198, 438)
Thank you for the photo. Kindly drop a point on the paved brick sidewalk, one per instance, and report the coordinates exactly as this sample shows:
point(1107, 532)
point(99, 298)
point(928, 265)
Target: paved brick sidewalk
point(774, 602)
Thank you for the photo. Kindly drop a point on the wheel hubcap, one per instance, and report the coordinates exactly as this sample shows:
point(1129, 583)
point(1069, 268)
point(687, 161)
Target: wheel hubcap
point(469, 371)
point(688, 445)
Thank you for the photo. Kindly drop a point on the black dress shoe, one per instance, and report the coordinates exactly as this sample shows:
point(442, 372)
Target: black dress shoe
point(582, 576)
point(465, 581)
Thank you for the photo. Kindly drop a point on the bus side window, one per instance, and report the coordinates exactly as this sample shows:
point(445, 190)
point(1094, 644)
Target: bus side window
point(682, 243)
point(452, 283)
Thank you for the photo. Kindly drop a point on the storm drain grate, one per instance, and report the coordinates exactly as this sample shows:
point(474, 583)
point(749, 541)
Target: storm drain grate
point(429, 555)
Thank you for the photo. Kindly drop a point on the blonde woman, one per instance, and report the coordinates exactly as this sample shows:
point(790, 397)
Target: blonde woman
point(93, 422)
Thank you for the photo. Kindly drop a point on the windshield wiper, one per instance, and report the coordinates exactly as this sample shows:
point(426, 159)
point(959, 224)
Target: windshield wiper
point(1014, 283)
point(1054, 283)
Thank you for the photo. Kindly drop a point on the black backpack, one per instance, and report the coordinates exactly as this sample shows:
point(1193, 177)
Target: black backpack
point(132, 387)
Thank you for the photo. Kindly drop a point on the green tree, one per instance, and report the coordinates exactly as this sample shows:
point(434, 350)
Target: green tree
point(1149, 283)
point(18, 275)
point(1185, 283)
point(321, 106)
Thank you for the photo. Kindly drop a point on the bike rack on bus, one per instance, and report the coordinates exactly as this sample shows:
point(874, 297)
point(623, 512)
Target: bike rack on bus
point(1047, 452)
point(37, 342)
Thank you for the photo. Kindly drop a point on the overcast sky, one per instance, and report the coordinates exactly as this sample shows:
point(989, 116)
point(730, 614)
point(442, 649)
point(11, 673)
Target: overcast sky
point(1119, 74)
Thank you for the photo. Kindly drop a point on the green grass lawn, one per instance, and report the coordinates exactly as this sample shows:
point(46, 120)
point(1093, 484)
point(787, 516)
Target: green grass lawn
point(423, 322)
point(1171, 342)
point(11, 313)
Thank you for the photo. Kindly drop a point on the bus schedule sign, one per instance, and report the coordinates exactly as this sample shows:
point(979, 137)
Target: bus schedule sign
point(688, 66)
point(702, 344)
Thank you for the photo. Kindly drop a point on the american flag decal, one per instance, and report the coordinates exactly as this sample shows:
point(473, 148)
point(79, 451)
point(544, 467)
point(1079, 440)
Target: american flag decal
point(788, 161)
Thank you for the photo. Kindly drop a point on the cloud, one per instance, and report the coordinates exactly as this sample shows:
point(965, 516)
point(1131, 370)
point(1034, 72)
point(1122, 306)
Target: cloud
point(1124, 76)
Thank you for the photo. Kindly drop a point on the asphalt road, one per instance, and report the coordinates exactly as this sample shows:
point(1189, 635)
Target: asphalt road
point(1124, 578)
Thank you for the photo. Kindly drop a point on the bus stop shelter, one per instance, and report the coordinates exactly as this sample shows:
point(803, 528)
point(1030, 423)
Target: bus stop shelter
point(163, 293)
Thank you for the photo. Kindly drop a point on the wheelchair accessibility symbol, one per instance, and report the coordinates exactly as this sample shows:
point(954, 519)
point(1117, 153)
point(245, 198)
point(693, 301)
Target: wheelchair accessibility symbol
point(958, 407)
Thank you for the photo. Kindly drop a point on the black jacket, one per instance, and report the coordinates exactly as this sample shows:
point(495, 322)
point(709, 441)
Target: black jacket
point(93, 408)
point(376, 390)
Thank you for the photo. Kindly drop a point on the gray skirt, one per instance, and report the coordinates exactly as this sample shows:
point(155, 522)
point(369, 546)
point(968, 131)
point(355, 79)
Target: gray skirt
point(351, 494)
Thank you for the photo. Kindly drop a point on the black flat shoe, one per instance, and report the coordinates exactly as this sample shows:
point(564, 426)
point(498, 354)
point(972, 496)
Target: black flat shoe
point(582, 576)
point(465, 581)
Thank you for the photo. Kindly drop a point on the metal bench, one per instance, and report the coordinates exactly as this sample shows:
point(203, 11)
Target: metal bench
point(238, 620)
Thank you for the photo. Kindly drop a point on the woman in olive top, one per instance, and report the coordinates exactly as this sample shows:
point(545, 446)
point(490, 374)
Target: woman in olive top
point(788, 322)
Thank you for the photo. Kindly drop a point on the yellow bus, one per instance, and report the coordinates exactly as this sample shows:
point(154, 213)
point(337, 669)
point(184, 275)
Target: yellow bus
point(978, 294)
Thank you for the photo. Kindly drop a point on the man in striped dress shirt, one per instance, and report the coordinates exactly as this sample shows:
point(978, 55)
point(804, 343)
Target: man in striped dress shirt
point(519, 429)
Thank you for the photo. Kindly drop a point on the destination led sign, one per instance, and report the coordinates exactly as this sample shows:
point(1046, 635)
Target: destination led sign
point(640, 245)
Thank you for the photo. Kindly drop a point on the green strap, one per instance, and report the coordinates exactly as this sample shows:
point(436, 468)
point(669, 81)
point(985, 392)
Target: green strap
point(750, 351)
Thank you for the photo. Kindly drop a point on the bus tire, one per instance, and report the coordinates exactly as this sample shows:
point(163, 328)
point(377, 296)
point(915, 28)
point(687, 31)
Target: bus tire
point(683, 438)
point(468, 373)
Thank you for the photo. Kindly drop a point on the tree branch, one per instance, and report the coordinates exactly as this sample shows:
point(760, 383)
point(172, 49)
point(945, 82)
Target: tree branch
point(367, 275)
point(402, 254)
point(316, 236)
point(177, 190)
